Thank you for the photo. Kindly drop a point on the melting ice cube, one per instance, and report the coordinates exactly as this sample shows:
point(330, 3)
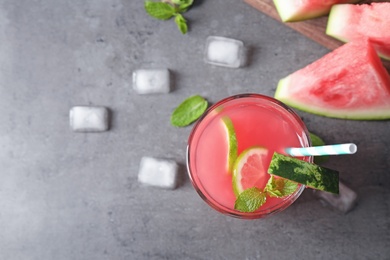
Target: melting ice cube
point(149, 81)
point(88, 119)
point(344, 201)
point(223, 51)
point(158, 172)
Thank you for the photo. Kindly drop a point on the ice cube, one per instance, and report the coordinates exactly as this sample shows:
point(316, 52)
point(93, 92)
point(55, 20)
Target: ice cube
point(344, 201)
point(149, 81)
point(158, 172)
point(88, 118)
point(224, 52)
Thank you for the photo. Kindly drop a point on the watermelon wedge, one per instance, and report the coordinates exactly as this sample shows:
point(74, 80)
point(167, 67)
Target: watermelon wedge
point(298, 10)
point(349, 22)
point(349, 82)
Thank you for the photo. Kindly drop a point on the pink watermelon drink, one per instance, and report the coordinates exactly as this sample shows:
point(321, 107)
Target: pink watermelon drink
point(257, 123)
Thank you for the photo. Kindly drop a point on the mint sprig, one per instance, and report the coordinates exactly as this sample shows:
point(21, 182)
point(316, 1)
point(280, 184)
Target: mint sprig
point(252, 199)
point(280, 187)
point(159, 10)
point(188, 111)
point(166, 9)
point(181, 23)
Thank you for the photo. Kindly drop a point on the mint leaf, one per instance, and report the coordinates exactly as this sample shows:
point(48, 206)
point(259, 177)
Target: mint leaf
point(188, 111)
point(279, 187)
point(181, 23)
point(159, 10)
point(183, 4)
point(167, 9)
point(250, 200)
point(317, 141)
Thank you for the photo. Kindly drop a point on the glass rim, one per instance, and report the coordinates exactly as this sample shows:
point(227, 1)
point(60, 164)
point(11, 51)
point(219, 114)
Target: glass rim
point(261, 213)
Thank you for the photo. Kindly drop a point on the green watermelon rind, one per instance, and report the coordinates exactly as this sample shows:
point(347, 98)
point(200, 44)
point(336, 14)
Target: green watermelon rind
point(282, 95)
point(308, 174)
point(287, 13)
point(337, 16)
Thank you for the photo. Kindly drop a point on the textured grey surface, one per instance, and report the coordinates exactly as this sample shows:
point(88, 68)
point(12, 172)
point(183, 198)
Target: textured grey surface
point(66, 195)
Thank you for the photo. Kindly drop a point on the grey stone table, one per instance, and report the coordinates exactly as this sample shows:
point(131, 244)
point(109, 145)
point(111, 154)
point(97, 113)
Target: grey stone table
point(67, 195)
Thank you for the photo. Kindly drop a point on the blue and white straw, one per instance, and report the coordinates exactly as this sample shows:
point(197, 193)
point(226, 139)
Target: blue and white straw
point(335, 149)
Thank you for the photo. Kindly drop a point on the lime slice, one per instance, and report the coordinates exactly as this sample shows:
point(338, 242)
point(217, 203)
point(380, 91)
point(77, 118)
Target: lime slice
point(311, 175)
point(249, 170)
point(231, 142)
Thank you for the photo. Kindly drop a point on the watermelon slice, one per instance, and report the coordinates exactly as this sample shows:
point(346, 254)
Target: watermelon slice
point(349, 82)
point(309, 174)
point(298, 10)
point(349, 22)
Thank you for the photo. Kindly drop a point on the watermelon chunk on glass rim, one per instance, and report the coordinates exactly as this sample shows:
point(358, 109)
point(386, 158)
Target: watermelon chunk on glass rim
point(349, 82)
point(349, 22)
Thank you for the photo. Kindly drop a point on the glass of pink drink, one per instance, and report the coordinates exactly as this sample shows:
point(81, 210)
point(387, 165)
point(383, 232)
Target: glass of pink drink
point(258, 121)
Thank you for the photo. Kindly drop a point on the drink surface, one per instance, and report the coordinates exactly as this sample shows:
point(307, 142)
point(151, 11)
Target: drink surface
point(257, 122)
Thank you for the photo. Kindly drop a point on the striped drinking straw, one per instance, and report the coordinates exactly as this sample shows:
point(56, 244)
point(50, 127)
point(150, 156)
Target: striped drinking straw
point(335, 149)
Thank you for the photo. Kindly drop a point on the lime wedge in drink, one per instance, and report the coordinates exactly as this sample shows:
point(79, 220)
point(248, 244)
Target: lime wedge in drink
point(249, 170)
point(231, 142)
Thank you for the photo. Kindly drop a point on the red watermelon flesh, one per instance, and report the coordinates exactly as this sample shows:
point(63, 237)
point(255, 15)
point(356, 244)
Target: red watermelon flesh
point(349, 22)
point(349, 82)
point(298, 10)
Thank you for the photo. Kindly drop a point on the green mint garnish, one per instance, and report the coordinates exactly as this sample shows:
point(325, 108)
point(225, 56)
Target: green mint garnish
point(183, 5)
point(181, 23)
point(182, 2)
point(279, 187)
point(166, 9)
point(159, 10)
point(189, 111)
point(250, 200)
point(253, 198)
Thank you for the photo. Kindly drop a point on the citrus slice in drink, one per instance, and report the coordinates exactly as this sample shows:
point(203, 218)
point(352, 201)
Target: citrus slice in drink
point(249, 170)
point(231, 143)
